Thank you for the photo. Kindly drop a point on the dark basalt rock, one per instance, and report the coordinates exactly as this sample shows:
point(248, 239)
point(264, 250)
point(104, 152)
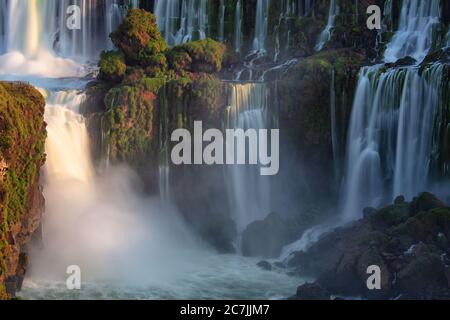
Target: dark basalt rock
point(267, 237)
point(312, 291)
point(408, 241)
point(265, 265)
point(403, 62)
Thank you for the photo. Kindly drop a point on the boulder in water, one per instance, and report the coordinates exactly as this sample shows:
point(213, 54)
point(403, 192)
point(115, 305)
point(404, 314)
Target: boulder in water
point(311, 291)
point(267, 237)
point(265, 265)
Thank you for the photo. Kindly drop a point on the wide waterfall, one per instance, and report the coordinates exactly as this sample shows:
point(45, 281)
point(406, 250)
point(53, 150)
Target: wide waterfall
point(414, 37)
point(393, 127)
point(34, 32)
point(181, 21)
point(390, 142)
point(325, 36)
point(249, 192)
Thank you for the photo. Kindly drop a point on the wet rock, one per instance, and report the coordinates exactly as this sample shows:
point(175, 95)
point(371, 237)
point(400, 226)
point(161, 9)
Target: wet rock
point(399, 200)
point(265, 265)
point(256, 242)
point(407, 241)
point(312, 291)
point(425, 202)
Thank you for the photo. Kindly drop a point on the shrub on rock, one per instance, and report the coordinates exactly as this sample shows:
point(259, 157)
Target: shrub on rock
point(112, 66)
point(198, 56)
point(139, 38)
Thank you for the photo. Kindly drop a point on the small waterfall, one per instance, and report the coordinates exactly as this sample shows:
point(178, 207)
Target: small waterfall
point(67, 146)
point(23, 27)
point(262, 20)
point(30, 26)
point(164, 153)
point(249, 192)
point(414, 36)
point(222, 21)
point(325, 36)
point(238, 27)
point(182, 21)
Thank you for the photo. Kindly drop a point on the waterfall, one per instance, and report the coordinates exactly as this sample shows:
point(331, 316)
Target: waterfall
point(182, 21)
point(164, 153)
point(238, 27)
point(222, 21)
point(262, 20)
point(325, 36)
point(414, 37)
point(249, 192)
point(67, 132)
point(390, 141)
point(33, 26)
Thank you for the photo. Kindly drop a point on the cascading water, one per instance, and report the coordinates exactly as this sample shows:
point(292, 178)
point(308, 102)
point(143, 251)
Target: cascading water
point(249, 192)
point(414, 37)
point(391, 136)
point(325, 36)
point(238, 27)
point(36, 35)
point(181, 21)
point(262, 20)
point(222, 21)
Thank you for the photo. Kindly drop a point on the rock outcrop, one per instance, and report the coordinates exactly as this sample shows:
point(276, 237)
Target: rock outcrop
point(407, 241)
point(22, 140)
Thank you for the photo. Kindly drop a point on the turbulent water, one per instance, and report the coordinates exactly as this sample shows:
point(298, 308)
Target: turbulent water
point(418, 21)
point(128, 246)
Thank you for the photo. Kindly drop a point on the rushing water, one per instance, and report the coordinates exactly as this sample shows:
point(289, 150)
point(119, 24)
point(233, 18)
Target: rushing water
point(249, 191)
point(325, 36)
point(392, 134)
point(414, 37)
point(181, 21)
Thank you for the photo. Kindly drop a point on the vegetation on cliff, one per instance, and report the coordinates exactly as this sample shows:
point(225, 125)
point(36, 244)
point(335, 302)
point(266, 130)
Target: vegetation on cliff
point(139, 38)
point(22, 140)
point(112, 66)
point(142, 65)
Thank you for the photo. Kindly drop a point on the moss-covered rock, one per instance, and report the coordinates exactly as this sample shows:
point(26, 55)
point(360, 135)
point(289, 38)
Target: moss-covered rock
point(139, 38)
point(129, 121)
point(112, 66)
point(22, 132)
point(304, 95)
point(197, 56)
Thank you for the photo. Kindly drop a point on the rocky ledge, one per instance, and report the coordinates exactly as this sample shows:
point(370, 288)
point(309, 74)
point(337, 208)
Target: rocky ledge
point(409, 242)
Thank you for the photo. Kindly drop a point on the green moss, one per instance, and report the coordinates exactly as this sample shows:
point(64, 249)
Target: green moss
point(128, 123)
point(140, 40)
point(22, 129)
point(197, 56)
point(112, 66)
